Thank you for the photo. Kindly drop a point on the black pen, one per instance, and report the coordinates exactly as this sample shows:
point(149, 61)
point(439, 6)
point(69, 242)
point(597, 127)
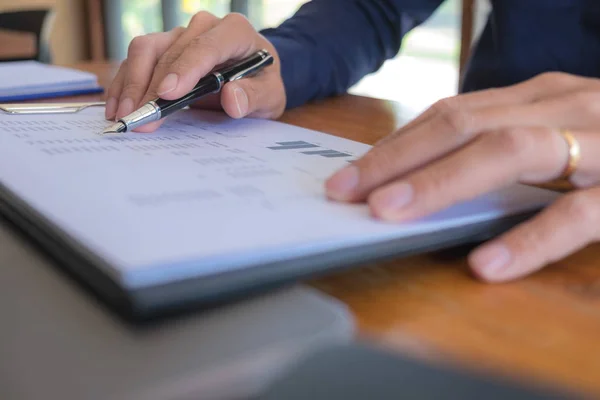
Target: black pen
point(211, 83)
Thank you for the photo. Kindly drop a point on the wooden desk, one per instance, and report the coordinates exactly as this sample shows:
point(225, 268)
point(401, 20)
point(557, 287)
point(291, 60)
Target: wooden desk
point(545, 327)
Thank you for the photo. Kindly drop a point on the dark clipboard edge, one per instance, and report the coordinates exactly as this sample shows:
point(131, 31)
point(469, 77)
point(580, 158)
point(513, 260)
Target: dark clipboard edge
point(150, 303)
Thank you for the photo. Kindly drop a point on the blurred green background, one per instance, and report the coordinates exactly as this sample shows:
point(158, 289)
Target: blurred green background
point(437, 39)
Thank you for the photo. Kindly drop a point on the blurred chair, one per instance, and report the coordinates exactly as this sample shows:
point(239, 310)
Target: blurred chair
point(466, 35)
point(37, 23)
point(474, 18)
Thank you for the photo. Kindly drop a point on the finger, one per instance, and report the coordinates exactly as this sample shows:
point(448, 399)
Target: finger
point(114, 92)
point(232, 38)
point(564, 227)
point(551, 84)
point(444, 133)
point(200, 23)
point(425, 143)
point(543, 86)
point(254, 97)
point(587, 173)
point(257, 97)
point(471, 101)
point(491, 162)
point(577, 110)
point(210, 102)
point(149, 127)
point(142, 57)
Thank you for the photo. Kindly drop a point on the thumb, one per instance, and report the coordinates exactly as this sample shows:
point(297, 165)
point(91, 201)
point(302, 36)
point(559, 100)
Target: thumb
point(258, 97)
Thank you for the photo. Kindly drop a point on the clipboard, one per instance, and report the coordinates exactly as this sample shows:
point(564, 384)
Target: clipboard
point(48, 108)
point(214, 210)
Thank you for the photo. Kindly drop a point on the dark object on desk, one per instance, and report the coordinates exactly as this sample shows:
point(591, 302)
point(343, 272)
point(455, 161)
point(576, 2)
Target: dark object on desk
point(37, 22)
point(57, 343)
point(356, 371)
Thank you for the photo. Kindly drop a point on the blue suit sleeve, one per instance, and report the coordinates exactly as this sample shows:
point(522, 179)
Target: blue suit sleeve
point(329, 45)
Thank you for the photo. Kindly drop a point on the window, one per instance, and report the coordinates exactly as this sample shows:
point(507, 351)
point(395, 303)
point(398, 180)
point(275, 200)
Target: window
point(140, 17)
point(425, 70)
point(262, 13)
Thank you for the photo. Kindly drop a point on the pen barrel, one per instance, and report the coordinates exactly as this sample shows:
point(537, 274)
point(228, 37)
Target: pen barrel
point(207, 85)
point(247, 67)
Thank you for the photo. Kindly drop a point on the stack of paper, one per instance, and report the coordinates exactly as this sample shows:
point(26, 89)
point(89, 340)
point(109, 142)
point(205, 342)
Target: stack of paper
point(208, 206)
point(205, 194)
point(26, 80)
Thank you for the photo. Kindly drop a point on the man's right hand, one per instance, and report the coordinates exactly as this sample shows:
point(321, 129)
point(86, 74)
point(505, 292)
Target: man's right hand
point(169, 64)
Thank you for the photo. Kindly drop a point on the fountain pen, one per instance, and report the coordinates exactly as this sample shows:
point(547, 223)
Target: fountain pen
point(211, 83)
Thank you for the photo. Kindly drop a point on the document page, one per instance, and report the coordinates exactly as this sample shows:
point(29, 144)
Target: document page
point(204, 194)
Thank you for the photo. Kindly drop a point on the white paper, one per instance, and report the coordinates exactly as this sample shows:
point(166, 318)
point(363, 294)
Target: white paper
point(204, 194)
point(32, 77)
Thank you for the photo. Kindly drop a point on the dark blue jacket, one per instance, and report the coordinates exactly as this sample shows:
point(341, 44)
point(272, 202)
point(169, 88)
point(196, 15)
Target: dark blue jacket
point(328, 45)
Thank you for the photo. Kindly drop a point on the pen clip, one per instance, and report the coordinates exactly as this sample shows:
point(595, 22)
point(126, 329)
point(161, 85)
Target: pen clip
point(265, 60)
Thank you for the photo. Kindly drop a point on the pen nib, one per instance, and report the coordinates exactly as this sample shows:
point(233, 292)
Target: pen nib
point(119, 127)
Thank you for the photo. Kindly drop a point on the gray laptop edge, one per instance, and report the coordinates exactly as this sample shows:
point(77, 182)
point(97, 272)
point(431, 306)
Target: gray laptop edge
point(58, 342)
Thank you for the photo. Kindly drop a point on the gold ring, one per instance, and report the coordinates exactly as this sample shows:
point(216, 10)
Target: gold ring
point(574, 154)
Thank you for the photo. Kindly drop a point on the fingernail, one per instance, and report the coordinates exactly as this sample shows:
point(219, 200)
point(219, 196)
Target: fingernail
point(490, 259)
point(125, 108)
point(241, 101)
point(168, 84)
point(111, 108)
point(389, 201)
point(342, 183)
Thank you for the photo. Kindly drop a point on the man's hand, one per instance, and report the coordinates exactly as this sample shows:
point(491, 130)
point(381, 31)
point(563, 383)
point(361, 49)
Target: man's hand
point(471, 144)
point(169, 64)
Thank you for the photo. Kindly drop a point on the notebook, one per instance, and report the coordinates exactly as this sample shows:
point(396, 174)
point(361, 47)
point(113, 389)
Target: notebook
point(27, 80)
point(208, 207)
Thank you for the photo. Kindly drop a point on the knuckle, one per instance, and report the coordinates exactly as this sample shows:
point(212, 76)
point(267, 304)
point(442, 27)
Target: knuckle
point(139, 44)
point(177, 31)
point(529, 240)
point(435, 184)
point(179, 66)
point(582, 210)
point(444, 106)
point(167, 60)
point(236, 19)
point(454, 115)
point(589, 102)
point(554, 78)
point(205, 41)
point(378, 163)
point(115, 87)
point(150, 94)
point(208, 44)
point(133, 88)
point(202, 17)
point(516, 142)
point(114, 91)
